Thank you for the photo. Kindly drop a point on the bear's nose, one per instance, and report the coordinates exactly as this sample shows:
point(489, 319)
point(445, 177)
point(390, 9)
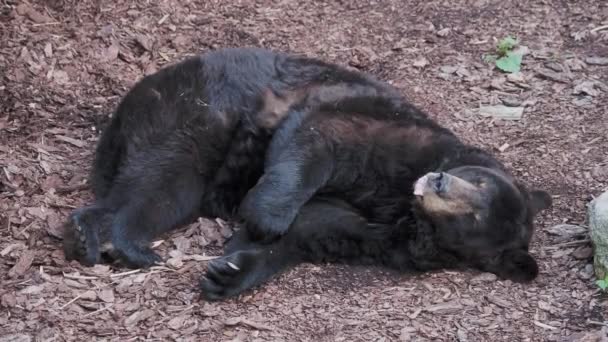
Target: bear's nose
point(437, 181)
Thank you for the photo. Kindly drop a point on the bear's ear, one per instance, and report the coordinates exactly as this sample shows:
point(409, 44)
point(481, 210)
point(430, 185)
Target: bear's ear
point(539, 201)
point(517, 265)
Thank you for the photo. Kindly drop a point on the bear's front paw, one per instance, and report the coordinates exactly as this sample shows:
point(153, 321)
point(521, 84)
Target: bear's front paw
point(225, 277)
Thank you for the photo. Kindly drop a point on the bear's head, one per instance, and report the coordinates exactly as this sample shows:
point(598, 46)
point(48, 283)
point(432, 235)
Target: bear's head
point(483, 217)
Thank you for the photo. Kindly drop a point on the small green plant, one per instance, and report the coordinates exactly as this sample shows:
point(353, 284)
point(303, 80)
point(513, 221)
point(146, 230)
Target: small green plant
point(507, 59)
point(506, 44)
point(603, 283)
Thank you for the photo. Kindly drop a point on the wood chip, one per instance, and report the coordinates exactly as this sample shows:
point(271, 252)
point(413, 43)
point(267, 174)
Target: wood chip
point(48, 50)
point(445, 308)
point(89, 295)
point(177, 322)
point(583, 253)
point(61, 77)
point(596, 60)
point(32, 289)
point(111, 53)
point(32, 14)
point(484, 277)
point(544, 326)
point(23, 264)
point(415, 314)
point(106, 295)
point(552, 75)
point(77, 276)
point(420, 63)
point(72, 141)
point(502, 112)
point(566, 230)
point(144, 41)
point(498, 301)
point(138, 317)
point(13, 246)
point(163, 19)
point(243, 321)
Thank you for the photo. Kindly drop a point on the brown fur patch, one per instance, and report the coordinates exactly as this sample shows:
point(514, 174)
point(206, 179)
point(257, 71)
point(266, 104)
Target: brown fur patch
point(351, 129)
point(421, 136)
point(276, 107)
point(337, 92)
point(438, 205)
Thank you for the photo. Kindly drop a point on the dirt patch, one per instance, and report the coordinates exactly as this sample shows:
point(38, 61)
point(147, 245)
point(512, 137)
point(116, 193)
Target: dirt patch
point(64, 65)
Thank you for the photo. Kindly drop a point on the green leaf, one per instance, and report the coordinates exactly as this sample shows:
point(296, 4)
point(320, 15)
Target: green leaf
point(509, 63)
point(506, 44)
point(603, 284)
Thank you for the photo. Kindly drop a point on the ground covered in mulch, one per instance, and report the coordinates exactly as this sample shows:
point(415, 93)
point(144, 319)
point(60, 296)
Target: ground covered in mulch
point(64, 64)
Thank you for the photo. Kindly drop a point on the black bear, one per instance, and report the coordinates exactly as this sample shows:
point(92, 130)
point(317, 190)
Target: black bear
point(322, 163)
point(190, 141)
point(370, 180)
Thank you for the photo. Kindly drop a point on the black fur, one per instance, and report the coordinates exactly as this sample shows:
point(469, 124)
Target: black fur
point(338, 187)
point(187, 141)
point(317, 160)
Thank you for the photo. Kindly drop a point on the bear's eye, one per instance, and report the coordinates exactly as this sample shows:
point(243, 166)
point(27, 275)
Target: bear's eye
point(481, 184)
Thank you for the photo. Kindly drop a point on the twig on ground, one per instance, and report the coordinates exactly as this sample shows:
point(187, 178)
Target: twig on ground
point(605, 324)
point(79, 277)
point(569, 243)
point(70, 302)
point(599, 28)
point(544, 326)
point(97, 311)
point(124, 273)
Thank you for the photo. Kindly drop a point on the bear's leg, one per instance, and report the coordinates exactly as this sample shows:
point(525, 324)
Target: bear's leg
point(109, 153)
point(157, 188)
point(293, 174)
point(162, 197)
point(234, 273)
point(87, 229)
point(140, 207)
point(318, 232)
